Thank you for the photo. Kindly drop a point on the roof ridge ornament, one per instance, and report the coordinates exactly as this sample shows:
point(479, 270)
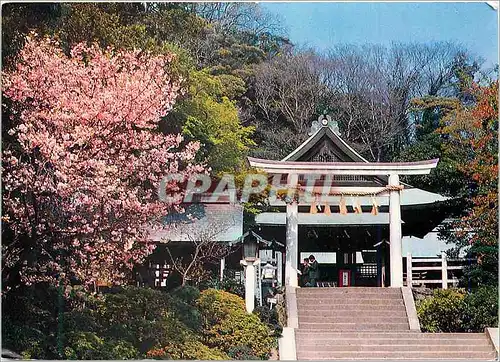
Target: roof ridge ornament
point(324, 120)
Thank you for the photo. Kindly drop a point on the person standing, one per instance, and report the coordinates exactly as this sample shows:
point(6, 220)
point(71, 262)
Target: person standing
point(313, 271)
point(304, 272)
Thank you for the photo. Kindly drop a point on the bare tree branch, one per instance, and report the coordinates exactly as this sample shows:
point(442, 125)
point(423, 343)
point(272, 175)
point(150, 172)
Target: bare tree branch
point(206, 249)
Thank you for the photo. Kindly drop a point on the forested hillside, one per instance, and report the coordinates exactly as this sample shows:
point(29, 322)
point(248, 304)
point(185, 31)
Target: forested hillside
point(248, 89)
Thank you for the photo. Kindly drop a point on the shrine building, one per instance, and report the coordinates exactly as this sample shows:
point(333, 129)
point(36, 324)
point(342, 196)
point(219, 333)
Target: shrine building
point(355, 228)
point(353, 220)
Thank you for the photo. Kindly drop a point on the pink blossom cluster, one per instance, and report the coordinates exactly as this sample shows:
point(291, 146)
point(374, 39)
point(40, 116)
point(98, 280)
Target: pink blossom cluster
point(81, 175)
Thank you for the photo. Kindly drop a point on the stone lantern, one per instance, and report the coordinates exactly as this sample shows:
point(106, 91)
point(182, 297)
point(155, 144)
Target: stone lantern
point(250, 241)
point(250, 247)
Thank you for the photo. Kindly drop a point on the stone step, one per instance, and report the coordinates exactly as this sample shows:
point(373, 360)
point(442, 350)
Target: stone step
point(322, 333)
point(357, 307)
point(361, 313)
point(371, 323)
point(365, 347)
point(429, 355)
point(337, 301)
point(349, 296)
point(355, 326)
point(353, 318)
point(305, 341)
point(350, 290)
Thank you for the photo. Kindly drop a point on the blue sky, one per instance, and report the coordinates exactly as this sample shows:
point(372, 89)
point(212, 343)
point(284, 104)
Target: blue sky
point(320, 25)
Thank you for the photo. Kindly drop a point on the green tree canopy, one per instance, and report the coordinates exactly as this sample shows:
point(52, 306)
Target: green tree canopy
point(208, 115)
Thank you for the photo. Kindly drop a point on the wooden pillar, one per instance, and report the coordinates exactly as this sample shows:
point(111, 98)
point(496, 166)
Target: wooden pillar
point(395, 236)
point(444, 270)
point(292, 244)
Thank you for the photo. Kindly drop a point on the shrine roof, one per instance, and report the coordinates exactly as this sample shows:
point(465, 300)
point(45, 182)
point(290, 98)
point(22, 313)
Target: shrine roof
point(340, 165)
point(223, 222)
point(340, 168)
point(328, 130)
point(325, 150)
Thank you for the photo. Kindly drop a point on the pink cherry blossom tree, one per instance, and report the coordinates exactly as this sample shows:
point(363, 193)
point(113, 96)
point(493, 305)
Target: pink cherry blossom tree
point(84, 159)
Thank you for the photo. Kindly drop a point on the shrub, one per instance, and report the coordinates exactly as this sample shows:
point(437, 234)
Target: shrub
point(455, 311)
point(481, 309)
point(87, 345)
point(226, 324)
point(215, 305)
point(183, 306)
point(84, 345)
point(121, 350)
point(442, 312)
point(125, 323)
point(186, 293)
point(141, 316)
point(82, 311)
point(29, 324)
point(26, 340)
point(233, 286)
point(229, 284)
point(271, 318)
point(241, 353)
point(188, 351)
point(132, 322)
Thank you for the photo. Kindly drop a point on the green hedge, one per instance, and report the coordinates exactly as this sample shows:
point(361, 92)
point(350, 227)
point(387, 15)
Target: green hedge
point(192, 350)
point(227, 325)
point(87, 345)
point(134, 323)
point(481, 309)
point(271, 318)
point(442, 312)
point(455, 310)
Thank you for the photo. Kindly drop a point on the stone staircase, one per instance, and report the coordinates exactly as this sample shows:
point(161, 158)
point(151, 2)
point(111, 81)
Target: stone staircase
point(371, 323)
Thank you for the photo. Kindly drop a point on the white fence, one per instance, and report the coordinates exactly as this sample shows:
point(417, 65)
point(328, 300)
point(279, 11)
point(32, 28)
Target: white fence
point(417, 270)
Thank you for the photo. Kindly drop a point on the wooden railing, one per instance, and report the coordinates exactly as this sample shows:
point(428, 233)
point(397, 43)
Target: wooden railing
point(417, 269)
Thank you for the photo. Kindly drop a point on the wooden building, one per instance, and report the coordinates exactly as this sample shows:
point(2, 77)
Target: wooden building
point(350, 213)
point(357, 212)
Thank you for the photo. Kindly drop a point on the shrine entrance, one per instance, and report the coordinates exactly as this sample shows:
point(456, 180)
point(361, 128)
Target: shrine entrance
point(352, 215)
point(362, 250)
point(359, 251)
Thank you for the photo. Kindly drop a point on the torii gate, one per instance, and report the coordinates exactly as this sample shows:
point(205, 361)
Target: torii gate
point(393, 189)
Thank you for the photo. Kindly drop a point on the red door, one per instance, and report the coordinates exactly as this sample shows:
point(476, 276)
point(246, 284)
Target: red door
point(344, 278)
